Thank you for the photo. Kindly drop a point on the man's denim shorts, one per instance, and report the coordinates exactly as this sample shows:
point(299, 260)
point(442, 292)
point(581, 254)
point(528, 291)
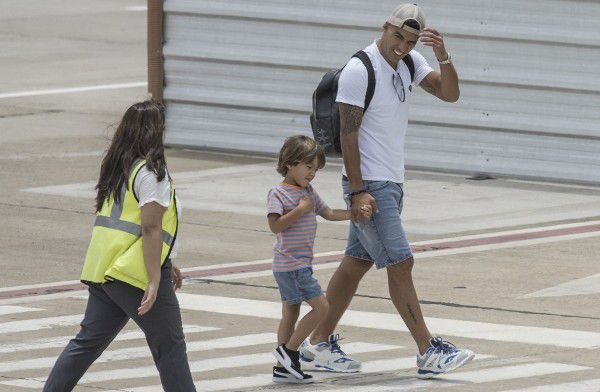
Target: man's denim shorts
point(297, 286)
point(381, 239)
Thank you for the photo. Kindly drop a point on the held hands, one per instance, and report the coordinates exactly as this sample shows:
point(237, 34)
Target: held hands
point(306, 204)
point(363, 206)
point(149, 298)
point(432, 37)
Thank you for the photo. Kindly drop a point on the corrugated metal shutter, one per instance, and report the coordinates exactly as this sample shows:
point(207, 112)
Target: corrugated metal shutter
point(240, 75)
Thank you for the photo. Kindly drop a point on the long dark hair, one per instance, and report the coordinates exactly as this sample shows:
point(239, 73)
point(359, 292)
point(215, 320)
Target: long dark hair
point(138, 136)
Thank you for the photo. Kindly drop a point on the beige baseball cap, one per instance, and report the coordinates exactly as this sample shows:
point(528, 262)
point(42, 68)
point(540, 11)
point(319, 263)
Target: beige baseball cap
point(404, 13)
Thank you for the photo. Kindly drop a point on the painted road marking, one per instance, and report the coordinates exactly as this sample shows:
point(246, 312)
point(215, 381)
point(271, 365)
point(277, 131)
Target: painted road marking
point(424, 249)
point(144, 351)
point(195, 366)
point(583, 286)
point(471, 377)
point(579, 386)
point(61, 341)
point(264, 380)
point(19, 94)
point(7, 309)
point(41, 323)
point(392, 322)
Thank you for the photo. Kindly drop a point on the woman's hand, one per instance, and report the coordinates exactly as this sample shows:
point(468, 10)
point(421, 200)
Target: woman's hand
point(149, 298)
point(176, 278)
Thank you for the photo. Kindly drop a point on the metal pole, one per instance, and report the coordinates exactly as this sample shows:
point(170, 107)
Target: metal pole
point(155, 53)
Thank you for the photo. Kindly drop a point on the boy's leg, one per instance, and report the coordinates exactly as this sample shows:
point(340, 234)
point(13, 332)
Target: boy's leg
point(163, 329)
point(102, 322)
point(309, 322)
point(289, 317)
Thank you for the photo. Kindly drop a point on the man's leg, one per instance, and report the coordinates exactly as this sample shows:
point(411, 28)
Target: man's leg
point(404, 297)
point(341, 289)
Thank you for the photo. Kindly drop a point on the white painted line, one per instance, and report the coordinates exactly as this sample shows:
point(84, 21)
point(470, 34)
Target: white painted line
point(68, 155)
point(41, 323)
point(471, 377)
point(389, 321)
point(195, 366)
point(144, 351)
point(7, 309)
point(61, 341)
point(583, 286)
point(42, 297)
point(511, 232)
point(264, 380)
point(32, 93)
point(592, 385)
point(217, 363)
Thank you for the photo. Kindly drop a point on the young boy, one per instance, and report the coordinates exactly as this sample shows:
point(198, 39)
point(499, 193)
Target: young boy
point(293, 207)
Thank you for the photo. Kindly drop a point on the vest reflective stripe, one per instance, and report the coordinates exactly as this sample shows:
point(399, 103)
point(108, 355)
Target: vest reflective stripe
point(116, 248)
point(128, 227)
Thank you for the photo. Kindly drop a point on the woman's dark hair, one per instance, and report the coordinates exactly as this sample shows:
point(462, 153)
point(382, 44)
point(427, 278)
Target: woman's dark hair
point(138, 136)
point(299, 148)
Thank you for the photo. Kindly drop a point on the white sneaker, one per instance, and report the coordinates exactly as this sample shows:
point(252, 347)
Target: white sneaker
point(441, 357)
point(327, 356)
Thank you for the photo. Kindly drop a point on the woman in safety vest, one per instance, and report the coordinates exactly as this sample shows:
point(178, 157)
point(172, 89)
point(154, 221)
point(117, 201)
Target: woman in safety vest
point(128, 266)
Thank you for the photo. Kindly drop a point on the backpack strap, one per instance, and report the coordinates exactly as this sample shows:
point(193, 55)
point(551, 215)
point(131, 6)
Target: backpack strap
point(362, 56)
point(411, 66)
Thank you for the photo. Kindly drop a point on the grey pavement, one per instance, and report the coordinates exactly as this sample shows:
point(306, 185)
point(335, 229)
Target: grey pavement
point(481, 297)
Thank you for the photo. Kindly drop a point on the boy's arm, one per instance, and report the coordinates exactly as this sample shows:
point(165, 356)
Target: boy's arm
point(279, 223)
point(335, 215)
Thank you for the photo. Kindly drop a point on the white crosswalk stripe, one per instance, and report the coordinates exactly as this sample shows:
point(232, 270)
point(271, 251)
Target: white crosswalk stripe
point(579, 386)
point(61, 341)
point(195, 366)
point(373, 377)
point(390, 321)
point(144, 351)
point(263, 380)
point(5, 310)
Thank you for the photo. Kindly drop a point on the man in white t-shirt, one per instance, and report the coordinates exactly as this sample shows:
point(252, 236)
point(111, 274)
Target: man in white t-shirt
point(373, 149)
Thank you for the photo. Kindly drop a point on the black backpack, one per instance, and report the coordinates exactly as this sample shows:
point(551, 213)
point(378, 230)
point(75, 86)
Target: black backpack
point(325, 116)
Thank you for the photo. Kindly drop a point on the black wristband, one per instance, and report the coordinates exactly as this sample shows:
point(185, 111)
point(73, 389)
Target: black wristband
point(352, 194)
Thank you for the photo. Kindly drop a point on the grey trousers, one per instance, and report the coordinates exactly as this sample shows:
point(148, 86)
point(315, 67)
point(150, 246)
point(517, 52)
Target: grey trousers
point(109, 307)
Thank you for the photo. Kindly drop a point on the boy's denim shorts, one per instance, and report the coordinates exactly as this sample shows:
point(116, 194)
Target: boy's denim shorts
point(381, 239)
point(297, 286)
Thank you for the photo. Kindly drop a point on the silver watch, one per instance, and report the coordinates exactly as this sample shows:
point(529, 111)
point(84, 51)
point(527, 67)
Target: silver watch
point(447, 61)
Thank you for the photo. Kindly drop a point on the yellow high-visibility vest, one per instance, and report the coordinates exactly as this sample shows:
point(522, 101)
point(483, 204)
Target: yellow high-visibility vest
point(115, 251)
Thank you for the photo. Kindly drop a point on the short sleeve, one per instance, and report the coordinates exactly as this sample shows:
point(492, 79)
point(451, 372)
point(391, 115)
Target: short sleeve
point(422, 67)
point(147, 188)
point(320, 205)
point(352, 84)
point(274, 203)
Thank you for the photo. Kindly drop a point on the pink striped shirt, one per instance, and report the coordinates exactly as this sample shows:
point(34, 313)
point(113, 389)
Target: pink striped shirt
point(293, 248)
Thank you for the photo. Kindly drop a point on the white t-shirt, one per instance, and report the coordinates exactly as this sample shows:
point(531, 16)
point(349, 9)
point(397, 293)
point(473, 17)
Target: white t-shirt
point(383, 128)
point(148, 189)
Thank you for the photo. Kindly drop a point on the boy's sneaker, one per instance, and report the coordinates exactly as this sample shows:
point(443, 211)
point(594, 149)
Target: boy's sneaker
point(281, 375)
point(290, 360)
point(327, 356)
point(441, 357)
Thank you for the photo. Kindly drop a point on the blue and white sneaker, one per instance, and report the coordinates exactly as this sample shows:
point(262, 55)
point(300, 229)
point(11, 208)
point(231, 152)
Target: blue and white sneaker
point(441, 357)
point(327, 356)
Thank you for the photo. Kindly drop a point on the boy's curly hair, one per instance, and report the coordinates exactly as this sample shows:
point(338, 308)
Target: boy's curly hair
point(299, 148)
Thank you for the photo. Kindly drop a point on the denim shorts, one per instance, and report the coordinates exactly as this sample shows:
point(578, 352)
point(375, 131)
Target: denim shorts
point(381, 239)
point(297, 286)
